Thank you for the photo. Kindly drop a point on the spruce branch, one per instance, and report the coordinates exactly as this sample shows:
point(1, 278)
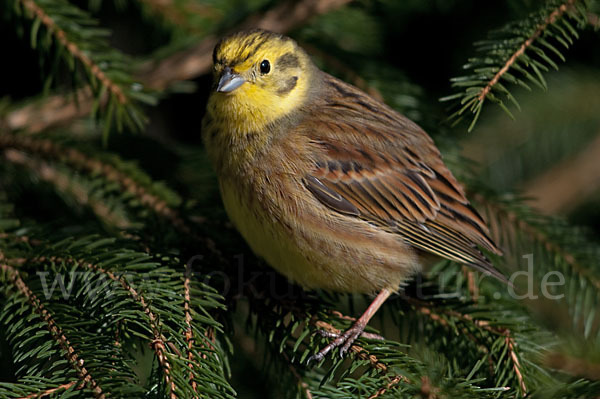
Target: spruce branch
point(111, 89)
point(189, 332)
point(517, 54)
point(37, 12)
point(505, 216)
point(288, 325)
point(557, 249)
point(75, 360)
point(135, 185)
point(428, 310)
point(381, 391)
point(52, 111)
point(550, 19)
point(69, 186)
point(384, 369)
point(359, 350)
point(159, 342)
point(159, 311)
point(159, 75)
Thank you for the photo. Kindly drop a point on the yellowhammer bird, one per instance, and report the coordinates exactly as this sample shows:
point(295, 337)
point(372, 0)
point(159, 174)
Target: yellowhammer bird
point(333, 188)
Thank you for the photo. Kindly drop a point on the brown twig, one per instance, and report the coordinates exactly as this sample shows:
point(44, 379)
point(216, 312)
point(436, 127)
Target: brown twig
point(428, 391)
point(20, 238)
point(426, 310)
point(383, 390)
point(189, 332)
point(74, 359)
point(510, 344)
point(50, 111)
point(554, 15)
point(50, 391)
point(158, 75)
point(61, 36)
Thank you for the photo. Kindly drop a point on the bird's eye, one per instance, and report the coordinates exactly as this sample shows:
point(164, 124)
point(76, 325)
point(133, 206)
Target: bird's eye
point(265, 67)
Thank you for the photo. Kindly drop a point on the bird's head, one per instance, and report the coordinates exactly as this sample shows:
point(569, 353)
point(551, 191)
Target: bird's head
point(259, 77)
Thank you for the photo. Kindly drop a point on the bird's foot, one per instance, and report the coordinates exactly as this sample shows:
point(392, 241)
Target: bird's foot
point(343, 340)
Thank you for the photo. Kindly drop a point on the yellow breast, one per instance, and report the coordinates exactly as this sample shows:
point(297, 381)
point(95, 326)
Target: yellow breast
point(266, 238)
point(311, 256)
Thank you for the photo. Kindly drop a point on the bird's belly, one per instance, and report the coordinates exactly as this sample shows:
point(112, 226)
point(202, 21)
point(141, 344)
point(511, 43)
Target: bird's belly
point(312, 259)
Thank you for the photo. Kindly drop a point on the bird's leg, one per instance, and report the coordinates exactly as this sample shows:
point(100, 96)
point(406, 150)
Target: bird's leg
point(346, 338)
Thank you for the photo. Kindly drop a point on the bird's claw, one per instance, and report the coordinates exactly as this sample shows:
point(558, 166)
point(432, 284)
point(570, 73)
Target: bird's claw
point(345, 340)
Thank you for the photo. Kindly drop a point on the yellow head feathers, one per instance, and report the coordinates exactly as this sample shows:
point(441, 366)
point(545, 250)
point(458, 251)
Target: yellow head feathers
point(259, 78)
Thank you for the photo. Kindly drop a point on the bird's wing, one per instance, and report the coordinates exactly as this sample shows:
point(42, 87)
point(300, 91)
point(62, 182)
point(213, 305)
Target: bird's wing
point(372, 163)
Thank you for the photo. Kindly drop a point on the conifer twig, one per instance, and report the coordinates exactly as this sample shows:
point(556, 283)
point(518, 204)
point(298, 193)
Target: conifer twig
point(74, 359)
point(510, 343)
point(54, 110)
point(61, 36)
point(189, 333)
point(381, 391)
point(471, 283)
point(554, 15)
point(363, 354)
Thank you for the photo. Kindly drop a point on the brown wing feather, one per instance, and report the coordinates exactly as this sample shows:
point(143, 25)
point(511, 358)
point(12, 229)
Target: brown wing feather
point(372, 163)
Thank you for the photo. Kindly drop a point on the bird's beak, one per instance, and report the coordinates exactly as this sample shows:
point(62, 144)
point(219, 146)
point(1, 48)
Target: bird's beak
point(229, 81)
